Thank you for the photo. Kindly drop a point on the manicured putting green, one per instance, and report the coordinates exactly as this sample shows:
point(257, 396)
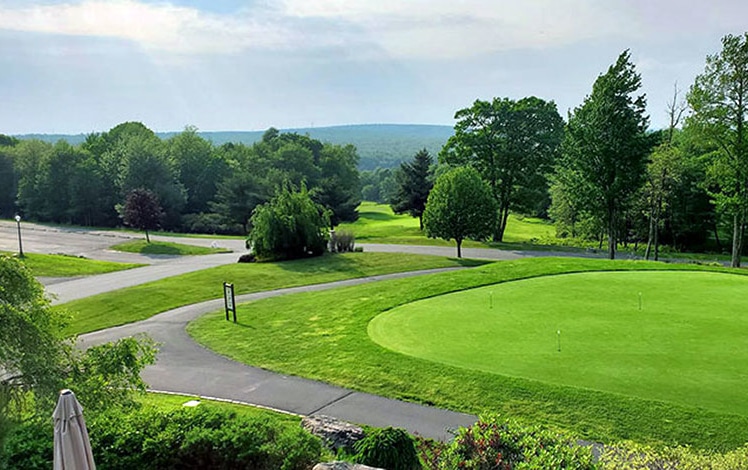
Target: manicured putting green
point(687, 344)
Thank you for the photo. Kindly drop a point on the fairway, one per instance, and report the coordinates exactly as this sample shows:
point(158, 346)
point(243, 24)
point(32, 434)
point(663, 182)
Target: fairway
point(688, 343)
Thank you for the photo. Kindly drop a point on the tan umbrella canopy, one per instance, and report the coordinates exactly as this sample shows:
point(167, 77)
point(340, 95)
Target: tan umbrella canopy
point(72, 447)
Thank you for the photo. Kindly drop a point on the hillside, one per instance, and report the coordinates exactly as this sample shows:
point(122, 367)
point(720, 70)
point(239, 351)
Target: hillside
point(379, 145)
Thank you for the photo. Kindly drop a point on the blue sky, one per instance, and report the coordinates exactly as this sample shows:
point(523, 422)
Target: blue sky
point(69, 66)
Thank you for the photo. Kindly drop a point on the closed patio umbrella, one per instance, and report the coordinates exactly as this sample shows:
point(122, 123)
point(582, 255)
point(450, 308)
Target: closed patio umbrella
point(72, 447)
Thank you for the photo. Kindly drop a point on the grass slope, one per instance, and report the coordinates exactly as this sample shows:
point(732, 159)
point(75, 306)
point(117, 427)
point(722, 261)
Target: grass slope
point(170, 401)
point(323, 335)
point(143, 301)
point(378, 224)
point(688, 344)
point(69, 266)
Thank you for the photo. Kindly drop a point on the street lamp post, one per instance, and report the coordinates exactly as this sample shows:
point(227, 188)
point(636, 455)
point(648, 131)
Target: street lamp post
point(20, 244)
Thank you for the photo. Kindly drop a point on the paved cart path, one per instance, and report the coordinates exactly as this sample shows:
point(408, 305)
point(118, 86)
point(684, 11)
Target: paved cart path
point(185, 367)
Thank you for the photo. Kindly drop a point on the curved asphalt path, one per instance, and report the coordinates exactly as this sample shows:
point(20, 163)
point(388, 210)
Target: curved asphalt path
point(185, 367)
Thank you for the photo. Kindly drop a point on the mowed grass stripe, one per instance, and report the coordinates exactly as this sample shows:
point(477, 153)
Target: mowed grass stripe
point(69, 266)
point(378, 224)
point(688, 344)
point(140, 302)
point(323, 335)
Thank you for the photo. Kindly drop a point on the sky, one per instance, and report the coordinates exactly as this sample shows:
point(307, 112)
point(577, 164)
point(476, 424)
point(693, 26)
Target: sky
point(70, 66)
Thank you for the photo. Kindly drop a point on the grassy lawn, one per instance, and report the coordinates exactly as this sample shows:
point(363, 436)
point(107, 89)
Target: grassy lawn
point(143, 301)
point(68, 266)
point(688, 344)
point(378, 224)
point(165, 248)
point(169, 401)
point(297, 335)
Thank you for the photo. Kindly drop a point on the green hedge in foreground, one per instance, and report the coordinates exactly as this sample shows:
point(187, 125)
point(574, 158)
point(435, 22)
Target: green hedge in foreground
point(201, 437)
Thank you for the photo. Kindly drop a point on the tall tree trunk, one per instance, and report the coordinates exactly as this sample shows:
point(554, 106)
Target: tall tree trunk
point(459, 247)
point(650, 238)
point(611, 235)
point(737, 238)
point(658, 209)
point(147, 239)
point(498, 236)
point(716, 236)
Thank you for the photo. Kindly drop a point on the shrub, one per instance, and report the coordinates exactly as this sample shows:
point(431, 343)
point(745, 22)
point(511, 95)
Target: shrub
point(494, 443)
point(247, 258)
point(203, 437)
point(389, 448)
point(342, 241)
point(631, 456)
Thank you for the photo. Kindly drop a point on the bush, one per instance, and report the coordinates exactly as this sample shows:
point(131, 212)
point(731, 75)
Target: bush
point(494, 443)
point(247, 258)
point(389, 448)
point(203, 437)
point(631, 456)
point(290, 226)
point(342, 241)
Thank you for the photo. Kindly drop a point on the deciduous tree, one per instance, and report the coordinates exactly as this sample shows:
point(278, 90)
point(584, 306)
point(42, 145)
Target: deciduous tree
point(459, 207)
point(719, 99)
point(605, 148)
point(511, 143)
point(37, 359)
point(142, 210)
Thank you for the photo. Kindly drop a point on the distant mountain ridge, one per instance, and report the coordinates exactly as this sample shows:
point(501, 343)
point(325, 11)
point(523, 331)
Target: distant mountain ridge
point(379, 145)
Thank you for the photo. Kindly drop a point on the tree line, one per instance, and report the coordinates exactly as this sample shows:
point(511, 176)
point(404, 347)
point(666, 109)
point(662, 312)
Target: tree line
point(199, 187)
point(600, 175)
point(603, 174)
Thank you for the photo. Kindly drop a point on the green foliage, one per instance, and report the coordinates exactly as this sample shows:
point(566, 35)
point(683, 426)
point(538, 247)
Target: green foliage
point(414, 183)
point(460, 206)
point(389, 448)
point(496, 443)
point(33, 352)
point(37, 360)
point(142, 210)
point(632, 456)
point(339, 189)
point(719, 99)
point(290, 226)
point(605, 148)
point(512, 144)
point(202, 437)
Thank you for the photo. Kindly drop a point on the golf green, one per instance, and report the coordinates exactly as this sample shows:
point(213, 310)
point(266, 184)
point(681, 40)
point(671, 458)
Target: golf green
point(678, 337)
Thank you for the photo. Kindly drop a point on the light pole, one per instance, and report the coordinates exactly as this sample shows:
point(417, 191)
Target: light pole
point(20, 244)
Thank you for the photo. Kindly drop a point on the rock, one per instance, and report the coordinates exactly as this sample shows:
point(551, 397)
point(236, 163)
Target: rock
point(343, 466)
point(336, 434)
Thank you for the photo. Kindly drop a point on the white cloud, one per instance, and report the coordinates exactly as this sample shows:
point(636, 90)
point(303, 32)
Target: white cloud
point(401, 29)
point(163, 27)
point(450, 28)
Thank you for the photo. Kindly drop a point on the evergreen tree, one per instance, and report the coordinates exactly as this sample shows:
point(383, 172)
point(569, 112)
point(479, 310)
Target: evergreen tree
point(414, 183)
